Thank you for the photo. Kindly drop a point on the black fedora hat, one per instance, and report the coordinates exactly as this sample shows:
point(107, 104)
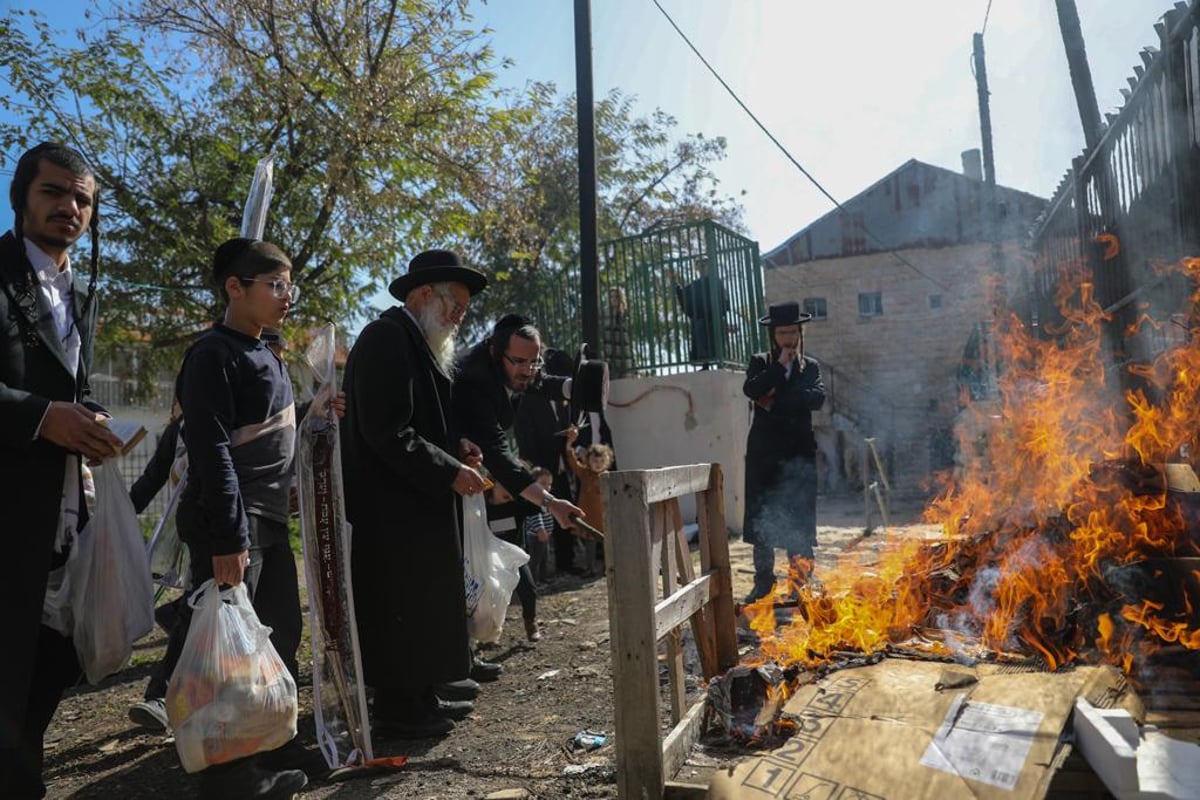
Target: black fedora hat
point(437, 266)
point(784, 314)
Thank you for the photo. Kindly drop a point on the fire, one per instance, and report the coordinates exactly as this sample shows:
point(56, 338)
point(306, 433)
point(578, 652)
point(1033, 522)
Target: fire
point(1050, 536)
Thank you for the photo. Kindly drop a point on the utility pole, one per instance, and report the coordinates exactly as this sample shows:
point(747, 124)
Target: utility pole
point(586, 121)
point(1081, 73)
point(1000, 298)
point(989, 160)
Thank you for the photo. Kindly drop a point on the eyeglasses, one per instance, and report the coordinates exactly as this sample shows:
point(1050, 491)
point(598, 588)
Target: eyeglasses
point(525, 363)
point(457, 309)
point(280, 288)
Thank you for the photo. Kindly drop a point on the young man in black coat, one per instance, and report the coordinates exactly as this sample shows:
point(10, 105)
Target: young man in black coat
point(404, 469)
point(506, 364)
point(781, 450)
point(47, 424)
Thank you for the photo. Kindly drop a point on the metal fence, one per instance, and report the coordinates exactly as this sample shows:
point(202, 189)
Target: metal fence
point(1132, 200)
point(680, 297)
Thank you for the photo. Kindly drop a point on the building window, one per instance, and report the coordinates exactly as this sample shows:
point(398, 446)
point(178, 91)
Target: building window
point(816, 307)
point(935, 301)
point(870, 304)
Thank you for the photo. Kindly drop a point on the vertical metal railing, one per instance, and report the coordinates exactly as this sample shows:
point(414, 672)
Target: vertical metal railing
point(676, 318)
point(1133, 200)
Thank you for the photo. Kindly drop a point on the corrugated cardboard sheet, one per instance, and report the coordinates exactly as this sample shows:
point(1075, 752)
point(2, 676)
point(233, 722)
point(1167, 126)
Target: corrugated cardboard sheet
point(904, 730)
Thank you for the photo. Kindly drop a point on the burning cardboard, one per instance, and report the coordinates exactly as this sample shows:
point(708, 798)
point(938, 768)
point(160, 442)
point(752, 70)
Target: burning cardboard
point(915, 729)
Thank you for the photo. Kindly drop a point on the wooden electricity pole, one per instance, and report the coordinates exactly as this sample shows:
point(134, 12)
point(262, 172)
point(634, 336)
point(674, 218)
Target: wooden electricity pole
point(1081, 73)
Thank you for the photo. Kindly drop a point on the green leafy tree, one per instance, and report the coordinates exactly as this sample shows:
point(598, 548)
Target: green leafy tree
point(363, 105)
point(523, 196)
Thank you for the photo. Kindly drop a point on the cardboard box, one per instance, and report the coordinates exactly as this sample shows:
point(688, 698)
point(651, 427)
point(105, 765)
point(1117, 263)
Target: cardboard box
point(903, 730)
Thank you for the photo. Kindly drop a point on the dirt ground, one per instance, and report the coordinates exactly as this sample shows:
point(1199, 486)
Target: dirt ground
point(519, 736)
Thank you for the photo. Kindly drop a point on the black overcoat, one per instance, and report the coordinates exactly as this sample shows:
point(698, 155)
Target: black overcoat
point(398, 463)
point(781, 484)
point(33, 373)
point(484, 411)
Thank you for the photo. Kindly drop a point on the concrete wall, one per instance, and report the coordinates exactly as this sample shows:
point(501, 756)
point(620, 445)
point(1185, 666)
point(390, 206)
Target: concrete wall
point(654, 431)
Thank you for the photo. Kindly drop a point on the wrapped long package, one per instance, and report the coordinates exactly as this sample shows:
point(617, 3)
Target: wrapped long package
point(339, 699)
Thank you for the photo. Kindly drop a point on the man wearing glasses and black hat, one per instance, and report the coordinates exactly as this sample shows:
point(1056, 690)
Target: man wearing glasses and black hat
point(404, 466)
point(781, 450)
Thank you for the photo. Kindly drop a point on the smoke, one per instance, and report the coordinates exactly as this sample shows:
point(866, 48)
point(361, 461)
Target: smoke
point(787, 515)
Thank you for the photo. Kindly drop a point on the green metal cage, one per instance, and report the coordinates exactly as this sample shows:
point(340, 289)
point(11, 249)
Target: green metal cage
point(691, 294)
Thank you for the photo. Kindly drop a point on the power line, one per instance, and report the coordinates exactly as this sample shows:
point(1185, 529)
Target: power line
point(986, 14)
point(789, 156)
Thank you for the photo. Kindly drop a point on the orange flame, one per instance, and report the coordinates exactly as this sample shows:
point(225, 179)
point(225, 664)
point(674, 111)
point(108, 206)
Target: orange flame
point(1047, 532)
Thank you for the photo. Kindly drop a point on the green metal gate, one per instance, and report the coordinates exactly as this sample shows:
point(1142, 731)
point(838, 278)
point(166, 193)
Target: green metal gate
point(693, 295)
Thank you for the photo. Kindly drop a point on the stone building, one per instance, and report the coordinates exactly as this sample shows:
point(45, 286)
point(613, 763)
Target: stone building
point(898, 283)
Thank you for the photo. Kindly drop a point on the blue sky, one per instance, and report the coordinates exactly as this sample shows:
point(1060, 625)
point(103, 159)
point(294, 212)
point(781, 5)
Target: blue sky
point(853, 90)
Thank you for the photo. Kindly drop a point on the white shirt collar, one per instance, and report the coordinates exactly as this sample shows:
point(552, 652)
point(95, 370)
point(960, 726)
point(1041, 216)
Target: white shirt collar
point(47, 271)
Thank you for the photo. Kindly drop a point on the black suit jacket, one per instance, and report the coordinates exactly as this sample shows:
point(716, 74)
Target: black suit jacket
point(485, 413)
point(33, 373)
point(537, 421)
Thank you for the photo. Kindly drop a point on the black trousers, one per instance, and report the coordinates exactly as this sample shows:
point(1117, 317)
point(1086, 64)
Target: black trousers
point(57, 667)
point(274, 591)
point(526, 589)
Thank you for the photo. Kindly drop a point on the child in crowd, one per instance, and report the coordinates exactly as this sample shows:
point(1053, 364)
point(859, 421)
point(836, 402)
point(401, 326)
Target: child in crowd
point(239, 429)
point(597, 458)
point(538, 528)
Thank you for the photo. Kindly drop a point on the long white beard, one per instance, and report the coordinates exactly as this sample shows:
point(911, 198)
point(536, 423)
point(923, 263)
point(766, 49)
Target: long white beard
point(440, 335)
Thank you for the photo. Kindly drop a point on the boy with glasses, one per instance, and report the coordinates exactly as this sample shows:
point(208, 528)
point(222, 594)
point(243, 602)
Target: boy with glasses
point(239, 428)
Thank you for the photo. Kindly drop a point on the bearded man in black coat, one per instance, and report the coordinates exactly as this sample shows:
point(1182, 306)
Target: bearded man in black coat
point(404, 469)
point(47, 322)
point(781, 450)
point(490, 376)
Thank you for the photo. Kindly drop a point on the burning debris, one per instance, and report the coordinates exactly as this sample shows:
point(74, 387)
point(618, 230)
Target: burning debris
point(1074, 539)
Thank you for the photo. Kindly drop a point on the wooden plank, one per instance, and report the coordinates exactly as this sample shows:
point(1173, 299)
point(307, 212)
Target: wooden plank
point(675, 610)
point(714, 561)
point(631, 592)
point(679, 742)
point(702, 627)
point(663, 484)
point(676, 685)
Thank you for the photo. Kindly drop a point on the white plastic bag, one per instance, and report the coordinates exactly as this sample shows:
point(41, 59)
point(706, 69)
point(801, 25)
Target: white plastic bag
point(111, 596)
point(230, 695)
point(491, 570)
point(169, 558)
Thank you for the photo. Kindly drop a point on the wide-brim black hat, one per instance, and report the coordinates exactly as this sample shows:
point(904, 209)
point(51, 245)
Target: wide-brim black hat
point(784, 314)
point(437, 266)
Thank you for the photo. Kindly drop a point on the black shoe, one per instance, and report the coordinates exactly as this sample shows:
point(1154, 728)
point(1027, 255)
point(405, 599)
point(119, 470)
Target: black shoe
point(245, 779)
point(485, 671)
point(429, 726)
point(452, 709)
point(757, 593)
point(294, 755)
point(466, 689)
